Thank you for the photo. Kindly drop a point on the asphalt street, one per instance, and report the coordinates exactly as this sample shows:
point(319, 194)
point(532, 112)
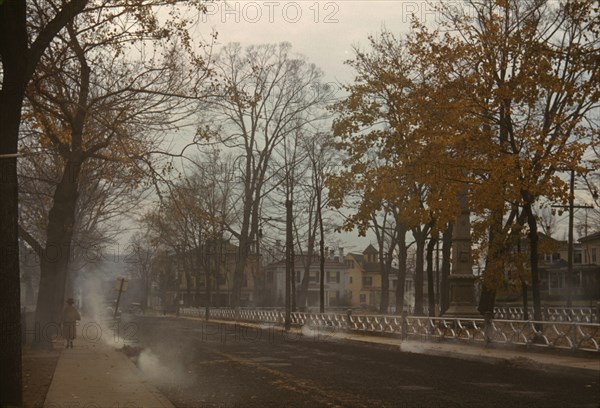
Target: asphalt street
point(198, 364)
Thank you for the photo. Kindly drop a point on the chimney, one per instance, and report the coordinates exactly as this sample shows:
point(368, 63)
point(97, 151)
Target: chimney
point(341, 250)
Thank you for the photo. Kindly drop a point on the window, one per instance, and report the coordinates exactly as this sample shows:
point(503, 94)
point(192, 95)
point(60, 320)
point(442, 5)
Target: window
point(350, 279)
point(555, 281)
point(298, 276)
point(333, 277)
point(363, 298)
point(367, 281)
point(594, 255)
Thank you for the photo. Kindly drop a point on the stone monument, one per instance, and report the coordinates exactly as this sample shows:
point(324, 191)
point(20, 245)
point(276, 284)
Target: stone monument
point(461, 281)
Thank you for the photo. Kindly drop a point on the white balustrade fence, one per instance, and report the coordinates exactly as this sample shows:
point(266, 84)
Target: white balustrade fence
point(571, 335)
point(553, 314)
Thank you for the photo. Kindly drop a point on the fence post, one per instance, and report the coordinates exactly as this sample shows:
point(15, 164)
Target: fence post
point(487, 328)
point(348, 318)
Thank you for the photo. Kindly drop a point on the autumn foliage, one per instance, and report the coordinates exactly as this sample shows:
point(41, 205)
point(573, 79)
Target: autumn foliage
point(499, 98)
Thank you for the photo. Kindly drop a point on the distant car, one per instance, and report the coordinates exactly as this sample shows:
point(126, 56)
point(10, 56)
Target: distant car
point(109, 311)
point(135, 308)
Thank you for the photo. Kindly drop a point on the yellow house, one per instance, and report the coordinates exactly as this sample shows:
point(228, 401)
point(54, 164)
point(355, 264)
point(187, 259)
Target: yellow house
point(365, 279)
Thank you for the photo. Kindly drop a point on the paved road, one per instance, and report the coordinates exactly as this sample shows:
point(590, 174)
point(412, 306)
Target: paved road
point(217, 365)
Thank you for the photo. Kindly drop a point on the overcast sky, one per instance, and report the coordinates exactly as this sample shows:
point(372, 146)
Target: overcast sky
point(323, 31)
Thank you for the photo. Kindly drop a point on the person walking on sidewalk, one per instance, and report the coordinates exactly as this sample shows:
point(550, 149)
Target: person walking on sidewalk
point(69, 322)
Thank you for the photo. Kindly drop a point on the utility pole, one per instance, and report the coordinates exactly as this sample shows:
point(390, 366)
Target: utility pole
point(122, 287)
point(288, 262)
point(571, 245)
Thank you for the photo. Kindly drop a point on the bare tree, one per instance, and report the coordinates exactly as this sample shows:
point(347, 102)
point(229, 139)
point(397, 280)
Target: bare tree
point(265, 94)
point(548, 221)
point(191, 215)
point(27, 29)
point(19, 59)
point(386, 231)
point(144, 251)
point(90, 102)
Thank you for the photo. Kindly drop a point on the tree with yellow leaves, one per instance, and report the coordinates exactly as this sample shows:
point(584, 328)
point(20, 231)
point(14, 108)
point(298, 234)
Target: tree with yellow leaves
point(498, 99)
point(398, 156)
point(531, 83)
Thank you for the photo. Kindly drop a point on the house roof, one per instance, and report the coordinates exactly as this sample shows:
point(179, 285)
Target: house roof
point(592, 237)
point(370, 267)
point(358, 257)
point(370, 250)
point(300, 259)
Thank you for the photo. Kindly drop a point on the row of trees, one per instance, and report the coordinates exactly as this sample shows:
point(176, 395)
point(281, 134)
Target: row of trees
point(496, 102)
point(88, 88)
point(265, 179)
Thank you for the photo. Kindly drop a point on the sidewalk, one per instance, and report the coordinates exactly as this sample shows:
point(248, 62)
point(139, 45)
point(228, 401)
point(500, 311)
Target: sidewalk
point(94, 375)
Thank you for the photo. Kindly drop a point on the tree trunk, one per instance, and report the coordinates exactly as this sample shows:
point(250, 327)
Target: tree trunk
point(322, 256)
point(533, 253)
point(303, 292)
point(310, 251)
point(487, 299)
point(289, 243)
point(525, 300)
point(400, 287)
point(13, 46)
point(208, 285)
point(245, 236)
point(419, 269)
point(146, 292)
point(292, 255)
point(240, 266)
point(430, 287)
point(385, 282)
point(446, 262)
point(55, 262)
